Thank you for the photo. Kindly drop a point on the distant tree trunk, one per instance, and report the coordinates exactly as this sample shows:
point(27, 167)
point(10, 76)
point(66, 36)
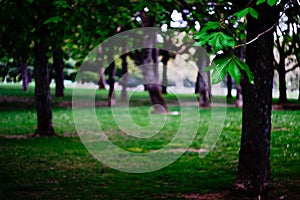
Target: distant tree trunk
point(254, 157)
point(101, 81)
point(229, 87)
point(58, 62)
point(197, 84)
point(165, 59)
point(150, 71)
point(42, 90)
point(239, 96)
point(25, 78)
point(124, 77)
point(111, 82)
point(203, 80)
point(299, 85)
point(281, 72)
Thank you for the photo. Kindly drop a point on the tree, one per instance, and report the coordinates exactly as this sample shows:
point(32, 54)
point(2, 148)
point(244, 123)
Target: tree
point(286, 38)
point(254, 157)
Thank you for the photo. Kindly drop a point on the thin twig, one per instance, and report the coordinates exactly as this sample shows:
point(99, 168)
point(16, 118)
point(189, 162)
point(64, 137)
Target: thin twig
point(266, 31)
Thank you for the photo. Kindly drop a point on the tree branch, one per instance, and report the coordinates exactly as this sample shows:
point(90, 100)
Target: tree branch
point(266, 31)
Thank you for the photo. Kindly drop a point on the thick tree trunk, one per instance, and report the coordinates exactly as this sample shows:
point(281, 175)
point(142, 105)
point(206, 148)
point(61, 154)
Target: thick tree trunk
point(58, 63)
point(254, 157)
point(124, 77)
point(25, 77)
point(42, 90)
point(229, 87)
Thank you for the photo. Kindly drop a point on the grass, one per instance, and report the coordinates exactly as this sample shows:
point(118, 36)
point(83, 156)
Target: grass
point(62, 168)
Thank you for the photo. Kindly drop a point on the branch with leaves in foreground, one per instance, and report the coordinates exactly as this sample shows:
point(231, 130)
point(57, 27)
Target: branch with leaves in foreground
point(216, 35)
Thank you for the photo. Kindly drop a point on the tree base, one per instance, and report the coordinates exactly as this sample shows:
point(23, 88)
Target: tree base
point(48, 133)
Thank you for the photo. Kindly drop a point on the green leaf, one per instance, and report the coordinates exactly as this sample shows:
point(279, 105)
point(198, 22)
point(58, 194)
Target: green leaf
point(253, 13)
point(54, 20)
point(219, 72)
point(260, 2)
point(242, 13)
point(211, 25)
point(234, 71)
point(220, 66)
point(246, 68)
point(272, 2)
point(224, 63)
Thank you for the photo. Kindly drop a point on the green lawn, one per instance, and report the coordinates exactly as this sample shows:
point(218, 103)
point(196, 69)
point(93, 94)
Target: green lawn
point(62, 168)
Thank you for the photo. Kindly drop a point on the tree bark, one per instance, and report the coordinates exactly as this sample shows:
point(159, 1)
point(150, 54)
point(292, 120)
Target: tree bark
point(42, 90)
point(58, 63)
point(254, 157)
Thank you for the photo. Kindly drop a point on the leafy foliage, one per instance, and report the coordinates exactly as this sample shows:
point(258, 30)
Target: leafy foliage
point(245, 11)
point(224, 63)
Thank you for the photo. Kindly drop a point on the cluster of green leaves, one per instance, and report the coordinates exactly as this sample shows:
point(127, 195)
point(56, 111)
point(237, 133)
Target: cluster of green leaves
point(224, 63)
point(217, 39)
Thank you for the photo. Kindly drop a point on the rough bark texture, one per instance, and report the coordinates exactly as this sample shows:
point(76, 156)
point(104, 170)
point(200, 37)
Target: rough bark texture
point(254, 156)
point(58, 63)
point(42, 95)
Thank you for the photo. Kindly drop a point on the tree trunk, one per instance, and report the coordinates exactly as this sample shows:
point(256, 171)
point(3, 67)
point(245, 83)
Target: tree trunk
point(58, 63)
point(25, 78)
point(150, 70)
point(165, 59)
point(229, 87)
point(254, 157)
point(239, 97)
point(282, 83)
point(124, 77)
point(101, 81)
point(203, 80)
point(111, 82)
point(42, 95)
